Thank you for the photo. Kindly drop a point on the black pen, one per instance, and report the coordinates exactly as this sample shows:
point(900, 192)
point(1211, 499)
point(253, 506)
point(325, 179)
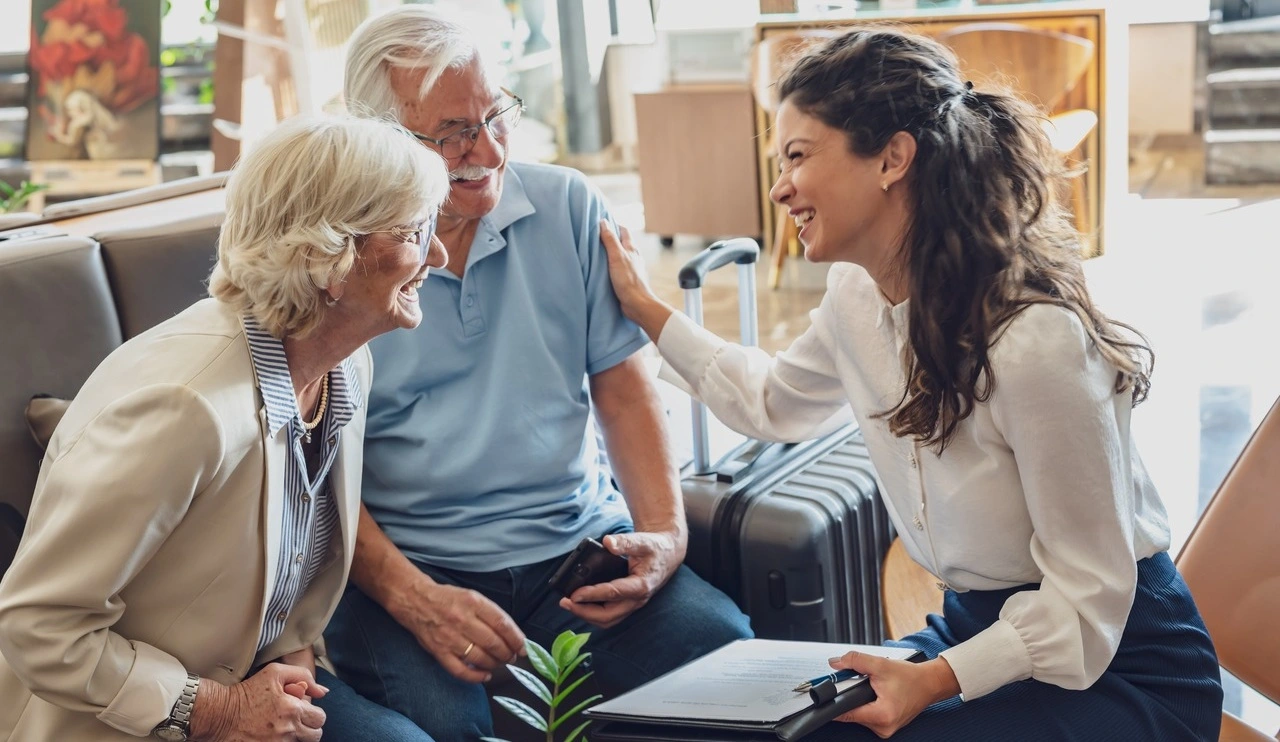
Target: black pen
point(836, 677)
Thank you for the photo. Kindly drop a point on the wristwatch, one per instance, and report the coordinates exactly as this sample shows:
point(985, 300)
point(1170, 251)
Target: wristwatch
point(177, 728)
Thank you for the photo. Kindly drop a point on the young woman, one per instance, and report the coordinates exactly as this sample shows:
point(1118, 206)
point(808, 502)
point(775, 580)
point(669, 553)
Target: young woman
point(994, 396)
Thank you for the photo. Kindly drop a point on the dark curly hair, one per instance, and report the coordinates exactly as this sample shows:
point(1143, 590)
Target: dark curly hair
point(986, 238)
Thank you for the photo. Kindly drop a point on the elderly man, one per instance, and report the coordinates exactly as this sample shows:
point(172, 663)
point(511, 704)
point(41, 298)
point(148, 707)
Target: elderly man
point(481, 465)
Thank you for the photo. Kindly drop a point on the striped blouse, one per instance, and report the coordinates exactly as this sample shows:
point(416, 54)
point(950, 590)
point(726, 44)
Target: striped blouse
point(310, 514)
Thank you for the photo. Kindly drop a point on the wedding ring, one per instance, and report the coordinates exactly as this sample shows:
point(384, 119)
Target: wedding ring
point(467, 651)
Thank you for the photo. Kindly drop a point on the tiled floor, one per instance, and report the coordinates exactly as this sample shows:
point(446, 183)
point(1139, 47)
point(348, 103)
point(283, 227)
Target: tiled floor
point(1195, 267)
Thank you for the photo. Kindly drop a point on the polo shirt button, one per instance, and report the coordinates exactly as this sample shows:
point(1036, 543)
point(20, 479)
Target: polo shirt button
point(471, 300)
point(282, 615)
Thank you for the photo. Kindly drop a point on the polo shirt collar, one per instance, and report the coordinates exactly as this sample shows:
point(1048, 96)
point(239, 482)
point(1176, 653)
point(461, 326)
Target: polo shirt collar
point(513, 205)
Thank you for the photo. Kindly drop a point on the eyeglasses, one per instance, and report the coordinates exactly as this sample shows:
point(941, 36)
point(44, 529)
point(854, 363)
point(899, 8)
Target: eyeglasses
point(421, 236)
point(462, 141)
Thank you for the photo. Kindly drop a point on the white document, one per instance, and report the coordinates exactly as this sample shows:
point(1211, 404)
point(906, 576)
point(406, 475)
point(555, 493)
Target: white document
point(746, 681)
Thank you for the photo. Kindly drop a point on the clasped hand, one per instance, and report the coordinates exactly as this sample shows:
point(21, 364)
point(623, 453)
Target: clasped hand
point(272, 705)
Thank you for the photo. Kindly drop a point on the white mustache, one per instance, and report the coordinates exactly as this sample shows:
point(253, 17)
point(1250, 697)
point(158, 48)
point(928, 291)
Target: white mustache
point(469, 172)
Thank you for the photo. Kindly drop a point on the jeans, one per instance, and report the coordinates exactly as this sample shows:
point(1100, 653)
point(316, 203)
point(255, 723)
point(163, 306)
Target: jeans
point(686, 619)
point(351, 718)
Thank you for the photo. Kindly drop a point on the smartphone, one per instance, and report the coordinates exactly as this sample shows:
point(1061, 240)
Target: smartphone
point(588, 564)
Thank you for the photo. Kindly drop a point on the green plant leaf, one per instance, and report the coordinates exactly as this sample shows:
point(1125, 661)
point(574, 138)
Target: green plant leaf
point(575, 646)
point(523, 712)
point(8, 189)
point(531, 681)
point(564, 674)
point(568, 650)
point(565, 693)
point(568, 714)
point(542, 660)
point(574, 734)
point(557, 647)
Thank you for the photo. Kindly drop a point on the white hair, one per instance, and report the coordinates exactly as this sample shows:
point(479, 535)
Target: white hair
point(405, 37)
point(298, 201)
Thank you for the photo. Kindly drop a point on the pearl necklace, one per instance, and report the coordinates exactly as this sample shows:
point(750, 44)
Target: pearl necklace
point(324, 403)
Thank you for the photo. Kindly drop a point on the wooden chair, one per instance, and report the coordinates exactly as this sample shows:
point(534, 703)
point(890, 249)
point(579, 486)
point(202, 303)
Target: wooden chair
point(772, 56)
point(1231, 564)
point(1049, 65)
point(908, 593)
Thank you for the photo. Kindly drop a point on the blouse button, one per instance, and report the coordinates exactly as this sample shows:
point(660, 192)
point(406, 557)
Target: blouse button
point(943, 586)
point(912, 459)
point(918, 522)
point(306, 498)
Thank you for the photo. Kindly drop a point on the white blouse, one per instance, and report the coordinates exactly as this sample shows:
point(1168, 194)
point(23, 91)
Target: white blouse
point(1041, 483)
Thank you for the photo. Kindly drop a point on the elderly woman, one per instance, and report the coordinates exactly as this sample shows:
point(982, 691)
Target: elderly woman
point(193, 523)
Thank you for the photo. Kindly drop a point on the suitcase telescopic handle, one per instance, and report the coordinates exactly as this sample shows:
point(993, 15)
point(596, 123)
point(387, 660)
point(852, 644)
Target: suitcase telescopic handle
point(740, 250)
point(744, 252)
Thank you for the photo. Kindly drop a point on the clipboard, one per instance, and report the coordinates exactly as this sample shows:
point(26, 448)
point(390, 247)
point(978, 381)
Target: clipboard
point(617, 725)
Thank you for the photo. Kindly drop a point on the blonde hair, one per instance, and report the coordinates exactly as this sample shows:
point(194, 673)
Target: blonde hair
point(405, 37)
point(298, 201)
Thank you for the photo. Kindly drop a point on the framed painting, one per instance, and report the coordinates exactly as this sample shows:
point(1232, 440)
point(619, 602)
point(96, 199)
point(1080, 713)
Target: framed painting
point(94, 90)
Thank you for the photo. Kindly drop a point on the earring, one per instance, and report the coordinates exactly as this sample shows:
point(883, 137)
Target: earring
point(884, 187)
point(330, 301)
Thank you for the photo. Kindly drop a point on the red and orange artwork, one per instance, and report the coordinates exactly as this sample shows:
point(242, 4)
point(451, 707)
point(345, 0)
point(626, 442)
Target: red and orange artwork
point(94, 80)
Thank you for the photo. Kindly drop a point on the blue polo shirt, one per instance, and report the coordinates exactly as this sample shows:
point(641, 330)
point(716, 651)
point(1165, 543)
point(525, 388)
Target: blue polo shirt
point(480, 452)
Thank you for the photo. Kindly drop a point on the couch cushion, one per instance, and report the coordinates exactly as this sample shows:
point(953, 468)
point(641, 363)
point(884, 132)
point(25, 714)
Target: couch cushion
point(43, 415)
point(57, 323)
point(158, 270)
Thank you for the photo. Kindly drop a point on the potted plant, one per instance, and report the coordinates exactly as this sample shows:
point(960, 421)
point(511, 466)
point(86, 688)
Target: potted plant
point(556, 667)
point(13, 199)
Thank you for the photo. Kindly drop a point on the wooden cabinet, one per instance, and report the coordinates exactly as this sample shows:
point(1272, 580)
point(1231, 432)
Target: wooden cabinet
point(697, 157)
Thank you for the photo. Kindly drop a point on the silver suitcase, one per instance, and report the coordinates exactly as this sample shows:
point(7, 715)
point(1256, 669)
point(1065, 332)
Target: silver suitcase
point(795, 533)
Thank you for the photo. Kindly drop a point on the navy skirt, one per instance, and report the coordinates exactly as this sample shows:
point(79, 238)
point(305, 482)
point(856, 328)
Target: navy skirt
point(1162, 686)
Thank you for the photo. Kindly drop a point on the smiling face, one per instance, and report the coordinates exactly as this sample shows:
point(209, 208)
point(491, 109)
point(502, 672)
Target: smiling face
point(461, 97)
point(834, 195)
point(381, 290)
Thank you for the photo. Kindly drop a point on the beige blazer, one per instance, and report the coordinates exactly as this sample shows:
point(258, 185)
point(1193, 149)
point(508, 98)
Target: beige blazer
point(151, 546)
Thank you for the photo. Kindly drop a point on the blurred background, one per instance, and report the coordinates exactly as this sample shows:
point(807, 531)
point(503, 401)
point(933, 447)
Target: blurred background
point(1170, 107)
